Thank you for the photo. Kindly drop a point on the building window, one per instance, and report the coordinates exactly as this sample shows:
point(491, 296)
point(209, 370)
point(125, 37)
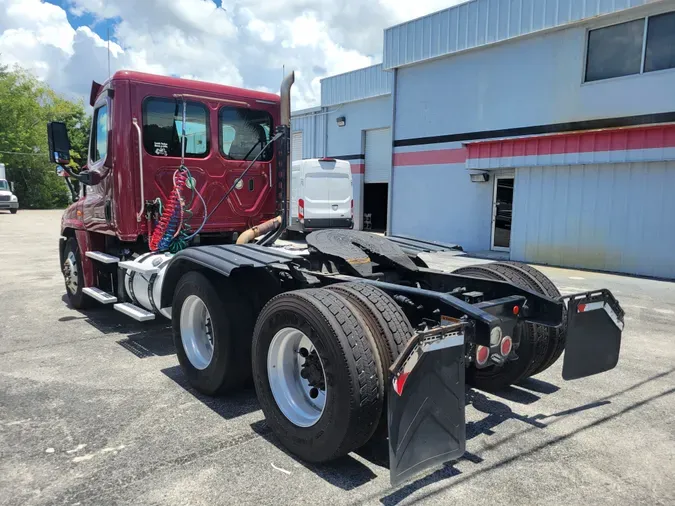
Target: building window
point(660, 53)
point(628, 48)
point(244, 132)
point(163, 128)
point(99, 138)
point(615, 51)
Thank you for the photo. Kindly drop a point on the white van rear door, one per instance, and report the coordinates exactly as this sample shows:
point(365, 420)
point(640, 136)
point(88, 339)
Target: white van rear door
point(317, 195)
point(340, 195)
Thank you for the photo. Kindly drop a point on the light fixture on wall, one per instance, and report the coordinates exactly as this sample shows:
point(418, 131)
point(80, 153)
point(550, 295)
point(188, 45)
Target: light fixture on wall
point(480, 177)
point(341, 121)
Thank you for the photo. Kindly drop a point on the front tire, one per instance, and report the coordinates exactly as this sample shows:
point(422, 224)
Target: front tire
point(339, 363)
point(13, 211)
point(212, 331)
point(73, 275)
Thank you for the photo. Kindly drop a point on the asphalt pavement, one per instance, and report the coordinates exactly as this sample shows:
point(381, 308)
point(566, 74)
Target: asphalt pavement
point(94, 410)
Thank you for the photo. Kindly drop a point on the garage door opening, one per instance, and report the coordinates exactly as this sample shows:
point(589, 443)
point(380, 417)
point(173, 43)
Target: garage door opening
point(375, 206)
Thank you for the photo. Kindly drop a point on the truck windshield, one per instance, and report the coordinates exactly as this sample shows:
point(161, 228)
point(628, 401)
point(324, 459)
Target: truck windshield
point(4, 185)
point(244, 132)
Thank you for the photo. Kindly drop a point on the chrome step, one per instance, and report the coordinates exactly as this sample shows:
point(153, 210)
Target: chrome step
point(102, 257)
point(99, 295)
point(135, 312)
point(130, 265)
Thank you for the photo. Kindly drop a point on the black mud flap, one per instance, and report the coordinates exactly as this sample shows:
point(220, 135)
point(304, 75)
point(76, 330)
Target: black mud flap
point(594, 327)
point(426, 403)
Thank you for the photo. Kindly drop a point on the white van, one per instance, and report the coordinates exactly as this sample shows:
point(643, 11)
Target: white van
point(321, 195)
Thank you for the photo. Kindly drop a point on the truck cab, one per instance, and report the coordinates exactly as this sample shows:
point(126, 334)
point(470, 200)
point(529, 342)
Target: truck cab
point(135, 150)
point(8, 200)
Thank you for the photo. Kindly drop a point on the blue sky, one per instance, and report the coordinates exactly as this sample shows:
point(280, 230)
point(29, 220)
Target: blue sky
point(241, 43)
point(97, 26)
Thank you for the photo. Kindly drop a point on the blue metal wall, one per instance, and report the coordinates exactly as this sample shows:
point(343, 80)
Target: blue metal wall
point(613, 217)
point(359, 116)
point(312, 124)
point(364, 83)
point(531, 81)
point(440, 203)
point(480, 22)
point(528, 82)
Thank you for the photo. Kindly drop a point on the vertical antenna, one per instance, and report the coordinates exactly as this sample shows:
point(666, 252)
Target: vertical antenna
point(108, 28)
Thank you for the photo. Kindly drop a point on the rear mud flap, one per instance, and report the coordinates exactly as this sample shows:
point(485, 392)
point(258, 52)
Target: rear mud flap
point(426, 401)
point(594, 327)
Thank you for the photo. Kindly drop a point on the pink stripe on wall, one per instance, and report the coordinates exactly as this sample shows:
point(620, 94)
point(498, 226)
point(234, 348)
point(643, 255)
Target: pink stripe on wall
point(621, 139)
point(434, 157)
point(358, 167)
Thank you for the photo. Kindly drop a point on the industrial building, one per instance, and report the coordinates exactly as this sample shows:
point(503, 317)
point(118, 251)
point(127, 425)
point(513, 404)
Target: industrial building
point(544, 129)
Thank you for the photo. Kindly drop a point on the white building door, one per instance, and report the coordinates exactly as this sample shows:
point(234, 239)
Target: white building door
point(296, 146)
point(378, 155)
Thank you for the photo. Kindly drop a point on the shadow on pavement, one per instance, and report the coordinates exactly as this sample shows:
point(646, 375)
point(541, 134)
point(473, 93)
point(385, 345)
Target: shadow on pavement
point(539, 386)
point(345, 472)
point(143, 339)
point(232, 405)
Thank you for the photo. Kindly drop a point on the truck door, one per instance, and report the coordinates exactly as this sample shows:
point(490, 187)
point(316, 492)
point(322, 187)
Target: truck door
point(162, 125)
point(242, 134)
point(97, 206)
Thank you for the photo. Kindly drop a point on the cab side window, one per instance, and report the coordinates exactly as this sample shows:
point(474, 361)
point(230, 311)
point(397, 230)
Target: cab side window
point(163, 128)
point(243, 133)
point(99, 134)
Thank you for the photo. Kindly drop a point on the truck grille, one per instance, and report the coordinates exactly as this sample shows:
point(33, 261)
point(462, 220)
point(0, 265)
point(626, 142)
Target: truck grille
point(4, 198)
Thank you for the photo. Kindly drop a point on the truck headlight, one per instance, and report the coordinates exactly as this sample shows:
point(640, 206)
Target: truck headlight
point(13, 198)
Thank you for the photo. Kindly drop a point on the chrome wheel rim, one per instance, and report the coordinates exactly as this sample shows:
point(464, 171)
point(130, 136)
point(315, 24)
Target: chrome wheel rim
point(196, 332)
point(70, 272)
point(301, 396)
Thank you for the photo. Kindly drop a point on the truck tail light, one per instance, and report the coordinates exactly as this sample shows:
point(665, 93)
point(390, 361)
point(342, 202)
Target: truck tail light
point(352, 209)
point(506, 346)
point(482, 355)
point(301, 209)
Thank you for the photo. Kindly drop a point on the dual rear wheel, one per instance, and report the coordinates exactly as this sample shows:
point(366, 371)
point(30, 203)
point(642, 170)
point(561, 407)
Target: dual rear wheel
point(318, 357)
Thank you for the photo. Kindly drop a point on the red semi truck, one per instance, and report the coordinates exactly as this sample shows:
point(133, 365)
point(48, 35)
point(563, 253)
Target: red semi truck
point(183, 197)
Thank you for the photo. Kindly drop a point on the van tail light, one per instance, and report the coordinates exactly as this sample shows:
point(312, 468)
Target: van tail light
point(352, 208)
point(301, 209)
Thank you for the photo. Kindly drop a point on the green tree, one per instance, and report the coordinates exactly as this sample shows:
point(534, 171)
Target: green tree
point(26, 105)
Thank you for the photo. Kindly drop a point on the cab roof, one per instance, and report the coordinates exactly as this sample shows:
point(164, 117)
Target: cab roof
point(176, 82)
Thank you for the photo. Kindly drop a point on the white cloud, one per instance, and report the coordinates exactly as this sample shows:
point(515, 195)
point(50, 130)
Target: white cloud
point(244, 43)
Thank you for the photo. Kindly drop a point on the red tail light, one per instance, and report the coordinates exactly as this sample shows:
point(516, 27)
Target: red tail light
point(482, 355)
point(506, 346)
point(352, 208)
point(301, 209)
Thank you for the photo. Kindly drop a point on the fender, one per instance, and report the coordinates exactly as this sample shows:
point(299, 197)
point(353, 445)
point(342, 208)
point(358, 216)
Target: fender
point(223, 259)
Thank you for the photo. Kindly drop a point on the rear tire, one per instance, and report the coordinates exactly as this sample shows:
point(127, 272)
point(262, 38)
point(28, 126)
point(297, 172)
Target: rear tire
point(530, 351)
point(230, 324)
point(390, 325)
point(546, 287)
point(352, 387)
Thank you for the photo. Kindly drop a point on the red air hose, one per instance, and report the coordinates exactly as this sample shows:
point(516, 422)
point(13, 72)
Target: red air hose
point(171, 220)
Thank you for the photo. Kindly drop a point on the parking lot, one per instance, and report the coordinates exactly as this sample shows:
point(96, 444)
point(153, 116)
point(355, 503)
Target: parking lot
point(94, 410)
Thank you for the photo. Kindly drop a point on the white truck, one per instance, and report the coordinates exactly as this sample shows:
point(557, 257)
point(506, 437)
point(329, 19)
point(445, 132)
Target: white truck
point(8, 200)
point(321, 195)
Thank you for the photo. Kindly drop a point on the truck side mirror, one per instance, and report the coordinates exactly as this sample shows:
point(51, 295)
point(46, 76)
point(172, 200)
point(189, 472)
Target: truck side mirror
point(11, 186)
point(59, 143)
